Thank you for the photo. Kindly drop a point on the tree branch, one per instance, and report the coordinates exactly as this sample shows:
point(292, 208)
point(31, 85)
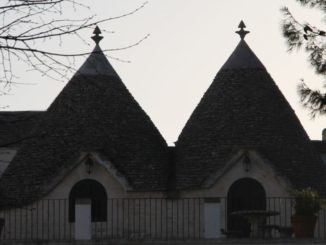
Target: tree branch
point(24, 23)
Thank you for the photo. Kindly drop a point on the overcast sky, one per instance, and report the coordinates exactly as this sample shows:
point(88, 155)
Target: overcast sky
point(189, 42)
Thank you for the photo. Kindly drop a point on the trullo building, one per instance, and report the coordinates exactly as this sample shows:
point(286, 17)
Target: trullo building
point(94, 166)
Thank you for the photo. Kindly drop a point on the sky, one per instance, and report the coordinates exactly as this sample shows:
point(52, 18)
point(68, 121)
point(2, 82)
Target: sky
point(189, 41)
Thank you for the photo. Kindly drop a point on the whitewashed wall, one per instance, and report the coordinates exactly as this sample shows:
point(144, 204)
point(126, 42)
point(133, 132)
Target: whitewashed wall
point(147, 215)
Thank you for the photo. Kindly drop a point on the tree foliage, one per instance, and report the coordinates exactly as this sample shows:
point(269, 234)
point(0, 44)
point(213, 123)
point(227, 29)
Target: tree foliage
point(27, 25)
point(313, 40)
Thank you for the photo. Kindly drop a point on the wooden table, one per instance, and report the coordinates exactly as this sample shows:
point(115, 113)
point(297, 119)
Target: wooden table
point(257, 219)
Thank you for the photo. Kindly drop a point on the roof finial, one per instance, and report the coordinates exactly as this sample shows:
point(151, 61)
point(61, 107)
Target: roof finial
point(242, 33)
point(97, 38)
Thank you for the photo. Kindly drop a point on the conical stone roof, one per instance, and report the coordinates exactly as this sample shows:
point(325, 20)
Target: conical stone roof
point(93, 113)
point(243, 109)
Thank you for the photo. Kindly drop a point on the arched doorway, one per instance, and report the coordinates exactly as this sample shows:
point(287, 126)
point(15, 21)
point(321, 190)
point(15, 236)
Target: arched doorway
point(244, 194)
point(93, 190)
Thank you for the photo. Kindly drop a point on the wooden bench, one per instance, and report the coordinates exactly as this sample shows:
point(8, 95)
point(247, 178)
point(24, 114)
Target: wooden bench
point(267, 230)
point(285, 231)
point(233, 233)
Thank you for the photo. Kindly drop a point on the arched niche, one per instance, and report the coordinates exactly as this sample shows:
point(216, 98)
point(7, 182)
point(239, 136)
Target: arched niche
point(244, 194)
point(93, 190)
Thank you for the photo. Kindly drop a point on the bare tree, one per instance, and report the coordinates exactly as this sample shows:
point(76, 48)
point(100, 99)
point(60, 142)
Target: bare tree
point(26, 24)
point(313, 39)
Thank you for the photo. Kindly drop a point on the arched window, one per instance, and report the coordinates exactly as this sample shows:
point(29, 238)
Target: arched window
point(89, 189)
point(244, 194)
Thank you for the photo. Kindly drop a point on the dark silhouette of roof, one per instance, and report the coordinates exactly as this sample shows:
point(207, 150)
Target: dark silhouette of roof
point(17, 126)
point(243, 109)
point(320, 146)
point(94, 113)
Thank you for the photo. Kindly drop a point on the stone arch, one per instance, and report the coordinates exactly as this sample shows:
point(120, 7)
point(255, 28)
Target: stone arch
point(93, 190)
point(244, 194)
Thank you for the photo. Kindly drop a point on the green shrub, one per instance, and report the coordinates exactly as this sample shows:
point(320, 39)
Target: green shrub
point(307, 201)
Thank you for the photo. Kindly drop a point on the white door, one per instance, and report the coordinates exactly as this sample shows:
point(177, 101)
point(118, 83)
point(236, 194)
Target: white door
point(212, 220)
point(83, 219)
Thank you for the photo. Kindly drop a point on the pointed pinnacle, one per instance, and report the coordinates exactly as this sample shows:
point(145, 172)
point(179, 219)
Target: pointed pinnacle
point(242, 33)
point(97, 38)
point(242, 25)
